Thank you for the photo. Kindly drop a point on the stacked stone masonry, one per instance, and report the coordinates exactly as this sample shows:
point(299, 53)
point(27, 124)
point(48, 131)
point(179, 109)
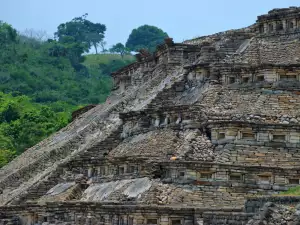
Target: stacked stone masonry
point(201, 132)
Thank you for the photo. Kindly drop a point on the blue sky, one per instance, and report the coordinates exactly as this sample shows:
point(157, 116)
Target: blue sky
point(180, 19)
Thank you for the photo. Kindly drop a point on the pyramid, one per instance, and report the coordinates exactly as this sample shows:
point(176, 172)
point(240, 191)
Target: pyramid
point(201, 132)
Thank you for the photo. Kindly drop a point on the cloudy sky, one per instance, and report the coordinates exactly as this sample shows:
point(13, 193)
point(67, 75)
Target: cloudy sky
point(181, 19)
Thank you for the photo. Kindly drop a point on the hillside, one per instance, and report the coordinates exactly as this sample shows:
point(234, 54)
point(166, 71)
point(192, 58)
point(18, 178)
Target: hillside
point(40, 87)
point(96, 59)
point(106, 63)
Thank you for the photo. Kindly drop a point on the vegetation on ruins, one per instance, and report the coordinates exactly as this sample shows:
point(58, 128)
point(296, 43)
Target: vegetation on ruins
point(145, 37)
point(293, 191)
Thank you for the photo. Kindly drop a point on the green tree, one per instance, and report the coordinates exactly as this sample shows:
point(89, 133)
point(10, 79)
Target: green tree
point(145, 37)
point(120, 49)
point(8, 39)
point(8, 34)
point(6, 156)
point(9, 113)
point(83, 31)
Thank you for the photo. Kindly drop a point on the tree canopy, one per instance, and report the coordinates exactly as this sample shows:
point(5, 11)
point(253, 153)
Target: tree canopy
point(120, 49)
point(145, 37)
point(8, 34)
point(23, 123)
point(81, 31)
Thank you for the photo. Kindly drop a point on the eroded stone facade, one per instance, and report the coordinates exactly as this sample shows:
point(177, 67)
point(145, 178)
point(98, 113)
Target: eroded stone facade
point(197, 133)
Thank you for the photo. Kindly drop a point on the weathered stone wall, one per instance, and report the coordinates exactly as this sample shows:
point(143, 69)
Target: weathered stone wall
point(226, 218)
point(106, 214)
point(272, 135)
point(272, 50)
point(82, 110)
point(253, 204)
point(240, 101)
point(257, 178)
point(280, 21)
point(267, 76)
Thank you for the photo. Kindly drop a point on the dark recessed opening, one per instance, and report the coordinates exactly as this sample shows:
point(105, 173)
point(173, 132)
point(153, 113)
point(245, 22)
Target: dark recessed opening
point(279, 26)
point(278, 137)
point(221, 136)
point(245, 79)
point(121, 170)
point(293, 181)
point(131, 169)
point(248, 136)
point(261, 29)
point(271, 28)
point(260, 78)
point(236, 177)
point(288, 77)
point(208, 134)
point(176, 222)
point(151, 221)
point(231, 80)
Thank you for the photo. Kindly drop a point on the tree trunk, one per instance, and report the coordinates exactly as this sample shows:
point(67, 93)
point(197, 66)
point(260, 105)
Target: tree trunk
point(95, 46)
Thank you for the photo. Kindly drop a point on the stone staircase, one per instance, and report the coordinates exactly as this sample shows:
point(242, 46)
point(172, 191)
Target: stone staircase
point(97, 151)
point(89, 131)
point(166, 97)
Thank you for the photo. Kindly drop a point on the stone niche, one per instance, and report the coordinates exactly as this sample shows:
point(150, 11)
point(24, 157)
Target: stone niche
point(199, 74)
point(281, 21)
point(265, 178)
point(111, 218)
point(230, 79)
point(219, 174)
point(236, 176)
point(247, 134)
point(187, 175)
point(105, 169)
point(269, 75)
point(263, 135)
point(224, 134)
point(124, 83)
point(293, 180)
point(288, 78)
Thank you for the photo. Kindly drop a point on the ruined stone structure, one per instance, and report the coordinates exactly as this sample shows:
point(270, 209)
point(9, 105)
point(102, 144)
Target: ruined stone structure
point(200, 132)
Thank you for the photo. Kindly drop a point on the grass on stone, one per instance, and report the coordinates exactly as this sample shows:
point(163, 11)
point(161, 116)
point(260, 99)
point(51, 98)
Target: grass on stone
point(294, 191)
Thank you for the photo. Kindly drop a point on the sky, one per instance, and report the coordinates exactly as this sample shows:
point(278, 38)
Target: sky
point(181, 19)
